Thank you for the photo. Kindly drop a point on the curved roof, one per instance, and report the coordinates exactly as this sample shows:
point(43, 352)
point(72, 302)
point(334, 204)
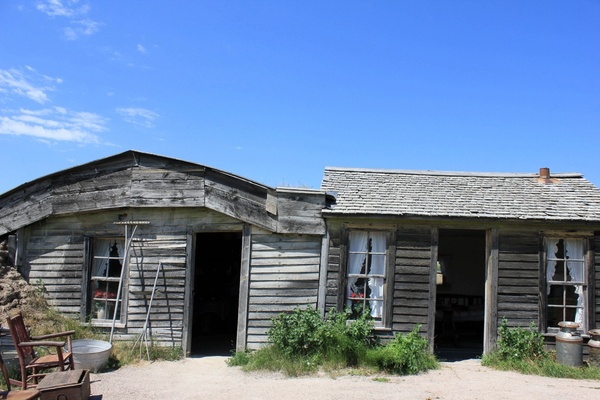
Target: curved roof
point(560, 197)
point(137, 179)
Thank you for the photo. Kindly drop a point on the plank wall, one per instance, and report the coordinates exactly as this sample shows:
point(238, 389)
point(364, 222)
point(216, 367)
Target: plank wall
point(595, 287)
point(284, 275)
point(518, 278)
point(54, 257)
point(411, 305)
point(411, 283)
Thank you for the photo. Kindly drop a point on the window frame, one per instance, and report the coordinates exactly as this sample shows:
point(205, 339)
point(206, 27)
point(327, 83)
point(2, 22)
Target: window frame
point(587, 277)
point(88, 312)
point(388, 274)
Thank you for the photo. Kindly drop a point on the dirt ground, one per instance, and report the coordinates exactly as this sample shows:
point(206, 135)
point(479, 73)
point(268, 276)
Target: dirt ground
point(211, 378)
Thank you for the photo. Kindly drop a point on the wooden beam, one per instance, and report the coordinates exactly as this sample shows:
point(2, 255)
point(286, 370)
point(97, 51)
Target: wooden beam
point(242, 325)
point(432, 287)
point(490, 326)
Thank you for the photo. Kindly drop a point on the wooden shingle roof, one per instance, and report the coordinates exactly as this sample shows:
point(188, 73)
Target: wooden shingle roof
point(561, 197)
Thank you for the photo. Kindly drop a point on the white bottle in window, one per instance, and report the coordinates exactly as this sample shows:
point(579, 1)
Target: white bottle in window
point(101, 314)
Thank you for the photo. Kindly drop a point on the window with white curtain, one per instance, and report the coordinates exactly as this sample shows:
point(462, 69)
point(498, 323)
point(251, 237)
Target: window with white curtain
point(107, 263)
point(566, 283)
point(366, 273)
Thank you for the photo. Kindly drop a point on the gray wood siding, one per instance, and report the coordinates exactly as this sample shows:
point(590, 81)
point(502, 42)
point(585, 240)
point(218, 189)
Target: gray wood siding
point(332, 293)
point(284, 275)
point(57, 264)
point(134, 179)
point(411, 283)
point(518, 278)
point(300, 212)
point(167, 313)
point(54, 256)
point(595, 286)
point(412, 280)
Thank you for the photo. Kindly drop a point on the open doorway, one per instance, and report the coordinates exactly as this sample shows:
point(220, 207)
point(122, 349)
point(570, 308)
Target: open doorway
point(216, 293)
point(460, 294)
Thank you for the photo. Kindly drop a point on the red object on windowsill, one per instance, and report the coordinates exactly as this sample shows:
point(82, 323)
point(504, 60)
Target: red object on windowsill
point(101, 294)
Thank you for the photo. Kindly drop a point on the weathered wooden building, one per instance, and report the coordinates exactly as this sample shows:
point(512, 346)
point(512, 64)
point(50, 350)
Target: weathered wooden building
point(458, 252)
point(223, 244)
point(452, 252)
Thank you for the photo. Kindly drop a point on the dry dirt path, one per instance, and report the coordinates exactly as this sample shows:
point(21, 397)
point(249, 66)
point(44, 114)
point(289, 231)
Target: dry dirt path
point(211, 378)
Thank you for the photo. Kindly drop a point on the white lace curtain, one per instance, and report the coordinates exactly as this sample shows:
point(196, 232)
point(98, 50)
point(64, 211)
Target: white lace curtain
point(358, 250)
point(101, 253)
point(573, 254)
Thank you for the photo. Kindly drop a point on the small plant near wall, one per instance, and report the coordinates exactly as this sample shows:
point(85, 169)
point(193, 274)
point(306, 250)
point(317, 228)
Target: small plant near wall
point(522, 350)
point(302, 342)
point(517, 344)
point(405, 355)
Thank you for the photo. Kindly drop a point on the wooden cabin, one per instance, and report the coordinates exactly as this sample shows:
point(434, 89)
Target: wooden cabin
point(218, 255)
point(140, 244)
point(455, 253)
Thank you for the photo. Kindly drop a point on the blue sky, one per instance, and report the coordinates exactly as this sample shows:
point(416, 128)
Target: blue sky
point(277, 90)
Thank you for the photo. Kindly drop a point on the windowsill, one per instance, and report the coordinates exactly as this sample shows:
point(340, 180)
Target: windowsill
point(554, 334)
point(107, 323)
point(382, 329)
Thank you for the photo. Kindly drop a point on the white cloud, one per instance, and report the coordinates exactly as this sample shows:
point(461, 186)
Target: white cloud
point(141, 49)
point(60, 8)
point(56, 123)
point(82, 27)
point(138, 116)
point(70, 9)
point(27, 83)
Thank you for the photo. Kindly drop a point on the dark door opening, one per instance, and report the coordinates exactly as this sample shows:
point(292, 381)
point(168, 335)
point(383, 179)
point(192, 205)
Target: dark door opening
point(216, 293)
point(460, 294)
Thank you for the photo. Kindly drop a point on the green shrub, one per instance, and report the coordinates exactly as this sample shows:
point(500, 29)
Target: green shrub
point(302, 342)
point(304, 333)
point(297, 333)
point(239, 359)
point(518, 344)
point(405, 355)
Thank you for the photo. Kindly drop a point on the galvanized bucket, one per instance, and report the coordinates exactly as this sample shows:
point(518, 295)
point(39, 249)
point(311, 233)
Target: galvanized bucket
point(569, 344)
point(594, 346)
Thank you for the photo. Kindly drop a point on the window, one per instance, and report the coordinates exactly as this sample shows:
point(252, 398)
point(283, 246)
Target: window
point(107, 263)
point(566, 288)
point(366, 276)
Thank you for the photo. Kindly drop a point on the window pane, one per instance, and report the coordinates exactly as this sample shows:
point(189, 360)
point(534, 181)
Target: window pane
point(377, 265)
point(555, 298)
point(107, 264)
point(572, 295)
point(555, 315)
point(566, 263)
point(366, 272)
point(575, 271)
point(570, 314)
point(559, 272)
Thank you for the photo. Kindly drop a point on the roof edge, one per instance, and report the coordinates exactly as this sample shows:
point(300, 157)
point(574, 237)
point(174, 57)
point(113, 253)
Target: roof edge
point(455, 173)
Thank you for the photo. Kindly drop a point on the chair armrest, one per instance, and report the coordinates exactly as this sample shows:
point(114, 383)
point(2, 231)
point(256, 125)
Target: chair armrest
point(53, 335)
point(42, 344)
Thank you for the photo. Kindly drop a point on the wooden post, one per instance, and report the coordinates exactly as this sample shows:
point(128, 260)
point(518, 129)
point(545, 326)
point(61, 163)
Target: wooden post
point(435, 235)
point(242, 325)
point(490, 327)
point(324, 262)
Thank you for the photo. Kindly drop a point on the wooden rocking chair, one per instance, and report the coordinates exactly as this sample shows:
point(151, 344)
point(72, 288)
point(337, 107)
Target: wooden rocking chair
point(28, 394)
point(32, 365)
